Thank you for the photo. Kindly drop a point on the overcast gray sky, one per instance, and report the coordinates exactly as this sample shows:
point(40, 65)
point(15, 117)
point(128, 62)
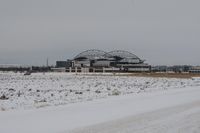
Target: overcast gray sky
point(160, 31)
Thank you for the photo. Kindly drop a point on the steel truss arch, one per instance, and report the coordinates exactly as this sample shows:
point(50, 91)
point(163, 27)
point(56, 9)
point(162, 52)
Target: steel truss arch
point(123, 54)
point(93, 54)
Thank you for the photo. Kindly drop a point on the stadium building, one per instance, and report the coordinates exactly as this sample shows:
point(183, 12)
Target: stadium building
point(101, 61)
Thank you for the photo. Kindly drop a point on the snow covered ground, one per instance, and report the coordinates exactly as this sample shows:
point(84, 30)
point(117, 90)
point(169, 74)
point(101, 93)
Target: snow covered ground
point(51, 89)
point(171, 111)
point(171, 118)
point(101, 104)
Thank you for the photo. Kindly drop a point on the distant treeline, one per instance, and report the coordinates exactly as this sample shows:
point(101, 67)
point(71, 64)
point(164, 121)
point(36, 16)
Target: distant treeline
point(15, 69)
point(24, 69)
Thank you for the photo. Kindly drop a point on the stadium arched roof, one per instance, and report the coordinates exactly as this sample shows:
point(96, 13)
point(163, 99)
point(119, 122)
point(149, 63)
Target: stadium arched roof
point(123, 54)
point(120, 55)
point(92, 54)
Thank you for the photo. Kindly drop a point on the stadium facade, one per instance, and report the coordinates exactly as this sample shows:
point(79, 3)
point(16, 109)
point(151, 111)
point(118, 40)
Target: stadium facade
point(101, 61)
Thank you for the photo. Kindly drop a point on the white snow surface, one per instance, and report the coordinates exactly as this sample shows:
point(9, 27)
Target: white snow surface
point(52, 89)
point(169, 111)
point(143, 105)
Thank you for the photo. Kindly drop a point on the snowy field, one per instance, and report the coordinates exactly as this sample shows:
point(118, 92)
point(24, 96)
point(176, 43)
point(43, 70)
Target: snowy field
point(171, 111)
point(52, 89)
point(101, 104)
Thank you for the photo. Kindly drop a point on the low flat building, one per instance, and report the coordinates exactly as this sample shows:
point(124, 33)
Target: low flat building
point(60, 64)
point(195, 70)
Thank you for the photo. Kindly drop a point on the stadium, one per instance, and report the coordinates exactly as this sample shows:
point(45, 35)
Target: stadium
point(100, 61)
